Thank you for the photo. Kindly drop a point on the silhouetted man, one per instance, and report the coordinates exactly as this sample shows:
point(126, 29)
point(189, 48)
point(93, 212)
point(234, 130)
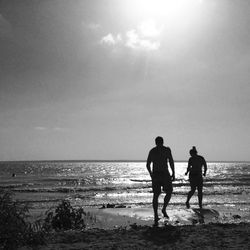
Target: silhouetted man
point(194, 169)
point(160, 156)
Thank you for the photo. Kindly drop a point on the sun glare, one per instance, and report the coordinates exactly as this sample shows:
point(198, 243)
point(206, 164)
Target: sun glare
point(176, 12)
point(149, 28)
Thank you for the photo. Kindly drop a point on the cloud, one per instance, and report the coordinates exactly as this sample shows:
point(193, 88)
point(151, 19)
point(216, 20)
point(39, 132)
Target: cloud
point(92, 26)
point(40, 128)
point(111, 39)
point(144, 37)
point(135, 42)
point(57, 129)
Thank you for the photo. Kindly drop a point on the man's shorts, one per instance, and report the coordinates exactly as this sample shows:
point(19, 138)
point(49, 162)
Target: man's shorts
point(161, 179)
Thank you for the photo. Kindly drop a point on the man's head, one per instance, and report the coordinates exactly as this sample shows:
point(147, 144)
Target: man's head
point(159, 141)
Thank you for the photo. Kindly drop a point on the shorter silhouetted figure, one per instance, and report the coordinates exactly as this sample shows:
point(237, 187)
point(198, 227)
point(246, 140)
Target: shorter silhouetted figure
point(194, 169)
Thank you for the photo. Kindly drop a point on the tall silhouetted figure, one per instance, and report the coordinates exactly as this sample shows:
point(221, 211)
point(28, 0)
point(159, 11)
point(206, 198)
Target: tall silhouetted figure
point(160, 156)
point(194, 169)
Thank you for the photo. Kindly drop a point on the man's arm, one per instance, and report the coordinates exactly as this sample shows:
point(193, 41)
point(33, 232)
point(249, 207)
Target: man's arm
point(171, 163)
point(205, 167)
point(148, 164)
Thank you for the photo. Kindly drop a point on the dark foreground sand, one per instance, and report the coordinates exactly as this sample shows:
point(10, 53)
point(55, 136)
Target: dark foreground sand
point(211, 236)
point(131, 228)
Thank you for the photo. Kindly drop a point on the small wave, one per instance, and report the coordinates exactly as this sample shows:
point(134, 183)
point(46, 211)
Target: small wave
point(139, 180)
point(135, 190)
point(132, 204)
point(36, 188)
point(233, 179)
point(70, 189)
point(215, 193)
point(207, 182)
point(18, 185)
point(60, 179)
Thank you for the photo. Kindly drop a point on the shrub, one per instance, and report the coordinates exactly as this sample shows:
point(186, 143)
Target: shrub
point(14, 228)
point(64, 217)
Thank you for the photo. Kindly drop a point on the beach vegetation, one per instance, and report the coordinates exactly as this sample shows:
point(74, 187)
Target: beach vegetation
point(15, 229)
point(64, 217)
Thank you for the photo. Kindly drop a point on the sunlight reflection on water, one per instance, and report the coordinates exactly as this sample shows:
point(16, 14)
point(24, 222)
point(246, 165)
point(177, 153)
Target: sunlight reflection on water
point(95, 183)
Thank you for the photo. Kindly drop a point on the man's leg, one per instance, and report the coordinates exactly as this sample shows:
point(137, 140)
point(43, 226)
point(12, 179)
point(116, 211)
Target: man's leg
point(166, 201)
point(156, 185)
point(155, 206)
point(168, 189)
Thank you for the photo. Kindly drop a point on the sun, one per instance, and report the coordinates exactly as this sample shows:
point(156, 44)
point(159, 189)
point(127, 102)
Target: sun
point(174, 12)
point(165, 7)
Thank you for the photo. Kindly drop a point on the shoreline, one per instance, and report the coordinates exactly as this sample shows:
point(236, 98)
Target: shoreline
point(115, 217)
point(109, 218)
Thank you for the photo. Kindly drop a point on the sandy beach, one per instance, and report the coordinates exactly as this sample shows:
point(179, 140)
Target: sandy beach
point(132, 228)
point(212, 236)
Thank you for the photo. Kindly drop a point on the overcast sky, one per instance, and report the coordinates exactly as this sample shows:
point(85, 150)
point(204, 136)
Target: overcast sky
point(100, 79)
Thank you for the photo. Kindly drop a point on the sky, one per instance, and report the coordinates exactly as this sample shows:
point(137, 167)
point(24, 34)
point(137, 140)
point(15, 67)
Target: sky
point(100, 79)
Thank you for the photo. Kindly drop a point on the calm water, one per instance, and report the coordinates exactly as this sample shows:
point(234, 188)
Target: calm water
point(128, 183)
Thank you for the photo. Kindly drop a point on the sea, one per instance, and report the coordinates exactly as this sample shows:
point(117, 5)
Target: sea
point(43, 184)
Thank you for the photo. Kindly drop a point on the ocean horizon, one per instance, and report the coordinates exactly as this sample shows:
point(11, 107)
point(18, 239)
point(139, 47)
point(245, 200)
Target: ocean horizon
point(118, 160)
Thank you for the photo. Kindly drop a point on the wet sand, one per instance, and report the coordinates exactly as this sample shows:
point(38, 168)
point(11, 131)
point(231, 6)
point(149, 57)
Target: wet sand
point(109, 218)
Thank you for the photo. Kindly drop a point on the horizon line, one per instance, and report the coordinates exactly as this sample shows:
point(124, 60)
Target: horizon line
point(121, 160)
